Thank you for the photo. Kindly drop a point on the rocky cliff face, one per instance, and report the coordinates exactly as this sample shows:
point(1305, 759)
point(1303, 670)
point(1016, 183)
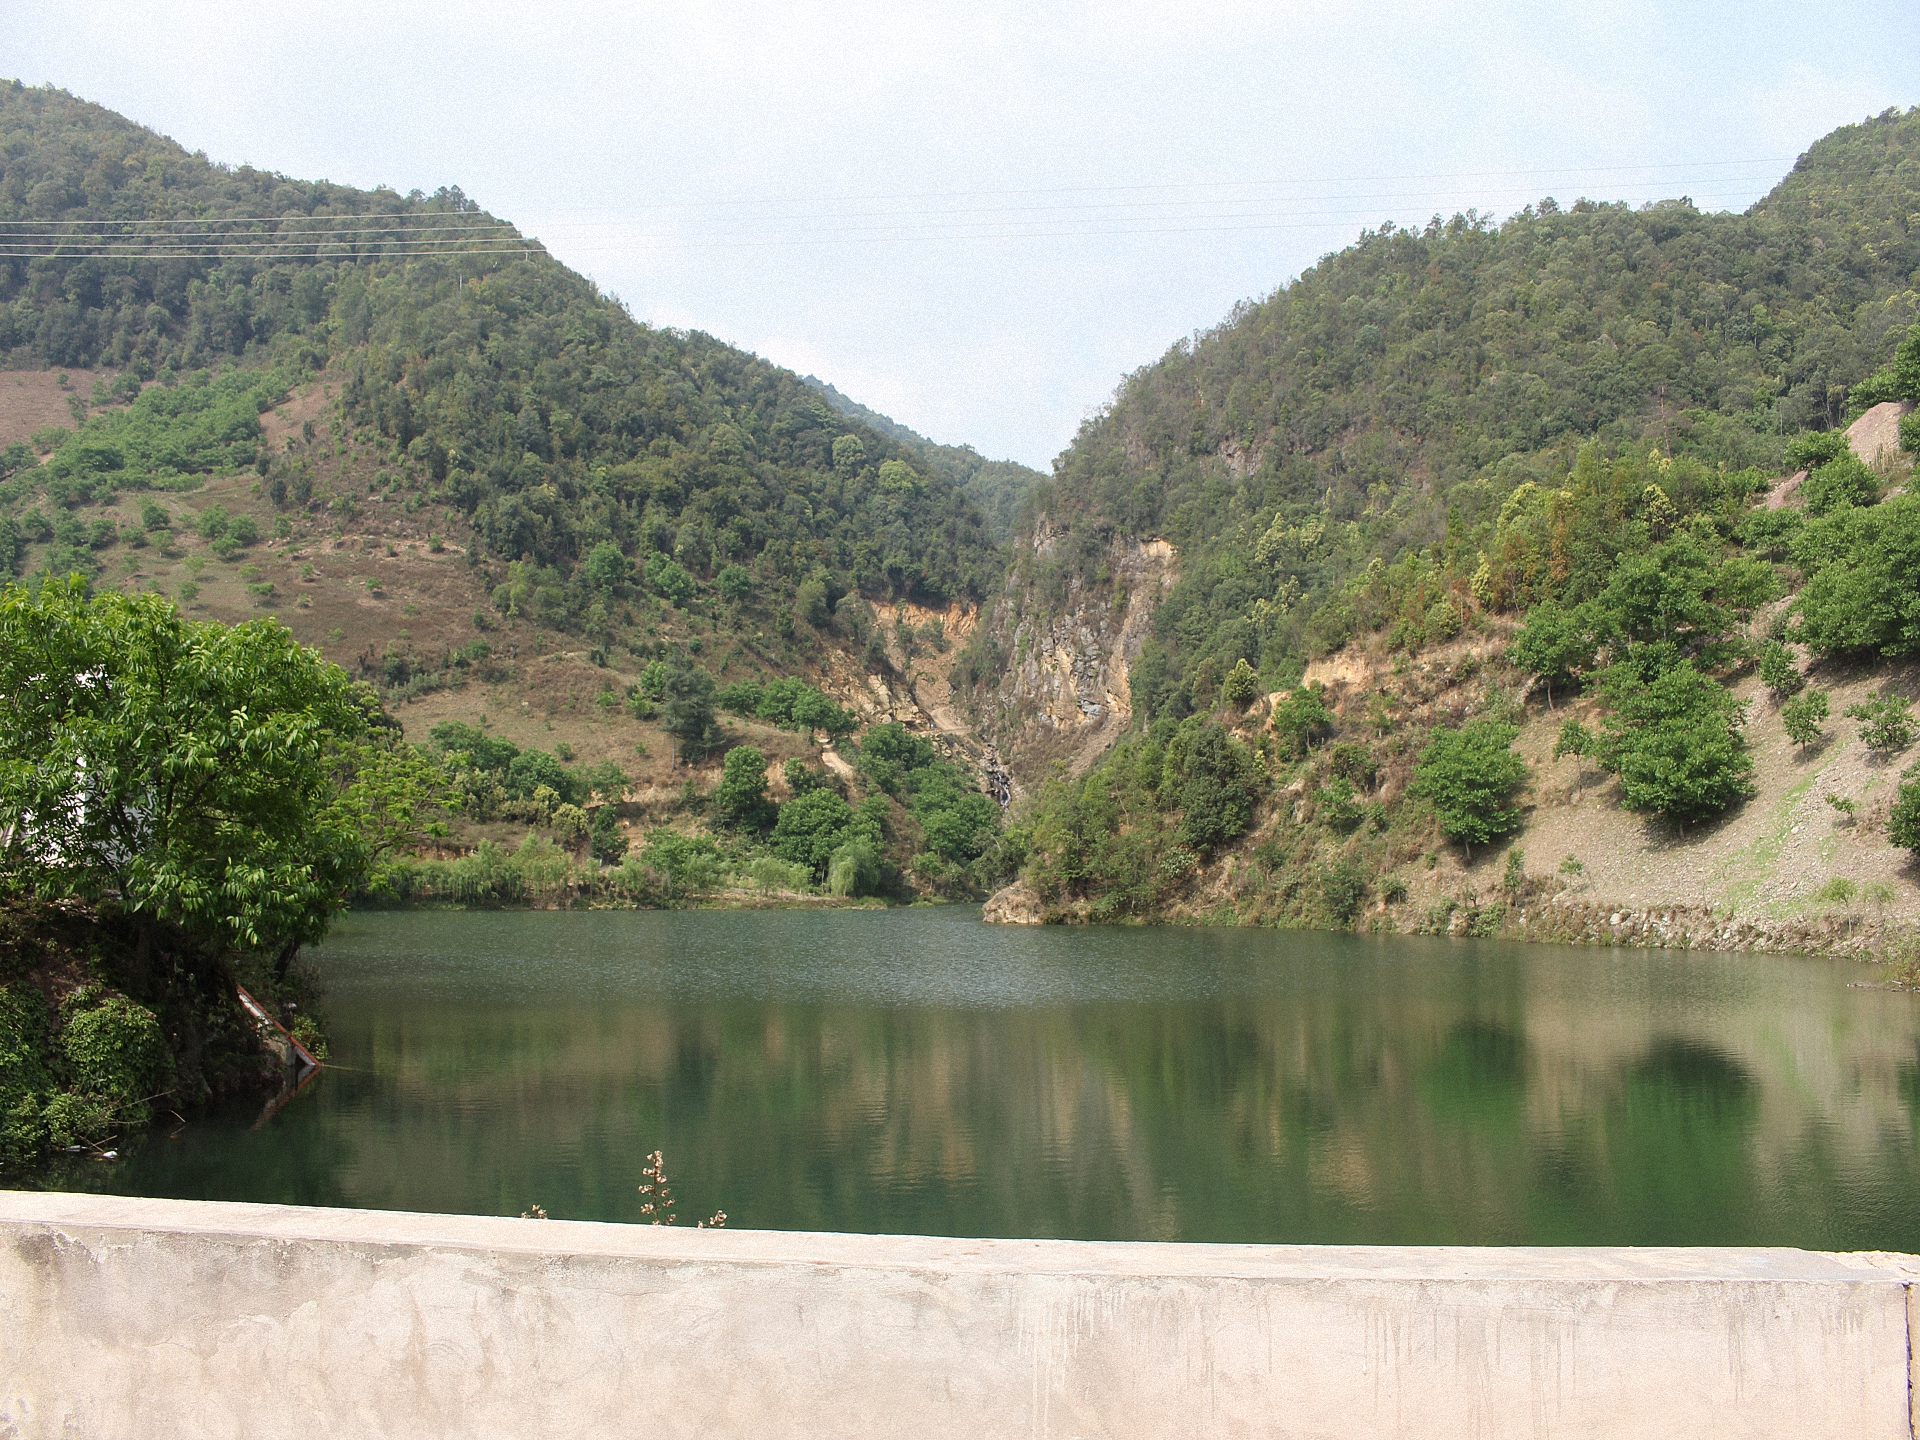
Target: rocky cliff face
point(1064, 694)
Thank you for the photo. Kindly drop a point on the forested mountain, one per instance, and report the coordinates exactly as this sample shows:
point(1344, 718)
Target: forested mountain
point(1451, 472)
point(998, 487)
point(511, 388)
point(1388, 402)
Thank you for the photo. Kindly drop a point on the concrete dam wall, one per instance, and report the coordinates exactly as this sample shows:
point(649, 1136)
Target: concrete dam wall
point(160, 1318)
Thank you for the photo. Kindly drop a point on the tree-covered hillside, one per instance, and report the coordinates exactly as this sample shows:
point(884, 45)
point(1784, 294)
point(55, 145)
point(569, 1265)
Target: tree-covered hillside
point(1491, 464)
point(998, 487)
point(505, 384)
point(1389, 401)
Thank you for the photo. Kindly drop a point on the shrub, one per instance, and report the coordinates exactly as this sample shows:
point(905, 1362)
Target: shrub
point(1343, 890)
point(1845, 480)
point(570, 823)
point(1241, 685)
point(609, 841)
point(1574, 739)
point(116, 1051)
point(1337, 805)
point(1885, 725)
point(1816, 448)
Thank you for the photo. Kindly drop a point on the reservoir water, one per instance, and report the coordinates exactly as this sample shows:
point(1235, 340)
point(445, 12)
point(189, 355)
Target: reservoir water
point(916, 1070)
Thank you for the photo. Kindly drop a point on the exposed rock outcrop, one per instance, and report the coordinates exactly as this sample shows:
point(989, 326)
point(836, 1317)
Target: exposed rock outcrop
point(1065, 693)
point(1017, 904)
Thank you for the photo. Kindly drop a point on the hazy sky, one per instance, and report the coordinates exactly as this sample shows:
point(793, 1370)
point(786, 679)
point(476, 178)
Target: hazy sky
point(977, 217)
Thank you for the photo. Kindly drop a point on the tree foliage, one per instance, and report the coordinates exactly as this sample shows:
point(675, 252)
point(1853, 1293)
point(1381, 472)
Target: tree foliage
point(1470, 775)
point(1675, 741)
point(226, 780)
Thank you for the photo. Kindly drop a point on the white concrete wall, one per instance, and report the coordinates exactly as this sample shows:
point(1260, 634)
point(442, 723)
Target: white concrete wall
point(158, 1318)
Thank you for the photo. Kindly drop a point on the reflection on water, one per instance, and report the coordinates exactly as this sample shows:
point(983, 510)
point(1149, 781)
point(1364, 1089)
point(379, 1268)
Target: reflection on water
point(918, 1071)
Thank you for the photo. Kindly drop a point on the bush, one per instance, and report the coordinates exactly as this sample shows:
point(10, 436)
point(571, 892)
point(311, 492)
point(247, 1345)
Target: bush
point(1885, 725)
point(1241, 685)
point(72, 1119)
point(771, 874)
point(117, 1052)
point(1337, 805)
point(1470, 776)
point(1816, 448)
point(1343, 890)
point(609, 841)
point(569, 823)
point(1845, 480)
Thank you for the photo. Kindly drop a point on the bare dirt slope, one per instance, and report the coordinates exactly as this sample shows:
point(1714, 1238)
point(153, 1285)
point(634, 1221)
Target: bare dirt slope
point(1764, 861)
point(36, 400)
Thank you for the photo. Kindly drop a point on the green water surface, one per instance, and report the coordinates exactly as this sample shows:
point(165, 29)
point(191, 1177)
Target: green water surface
point(919, 1071)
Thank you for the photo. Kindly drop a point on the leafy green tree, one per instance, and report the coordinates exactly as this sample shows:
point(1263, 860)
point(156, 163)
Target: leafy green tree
point(1862, 594)
point(1302, 718)
point(607, 568)
point(687, 708)
point(1574, 739)
point(1803, 716)
point(740, 801)
point(671, 579)
point(1661, 596)
point(735, 583)
point(530, 770)
point(1241, 685)
point(1556, 644)
point(1844, 480)
point(1778, 672)
point(224, 780)
point(608, 840)
point(811, 826)
point(1903, 822)
point(1885, 724)
point(1675, 742)
point(1217, 782)
point(1471, 775)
